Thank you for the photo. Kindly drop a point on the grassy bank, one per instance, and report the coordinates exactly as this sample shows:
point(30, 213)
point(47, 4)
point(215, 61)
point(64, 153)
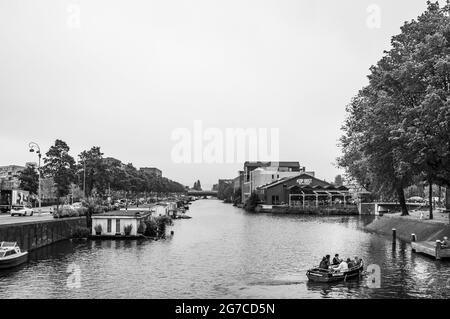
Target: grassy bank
point(424, 229)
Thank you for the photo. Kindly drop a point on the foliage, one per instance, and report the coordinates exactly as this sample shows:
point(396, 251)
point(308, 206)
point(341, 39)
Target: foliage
point(398, 127)
point(225, 191)
point(197, 186)
point(29, 179)
point(338, 180)
point(60, 166)
point(237, 196)
point(81, 232)
point(98, 228)
point(151, 228)
point(252, 202)
point(141, 228)
point(127, 228)
point(65, 211)
point(92, 170)
point(163, 222)
point(156, 227)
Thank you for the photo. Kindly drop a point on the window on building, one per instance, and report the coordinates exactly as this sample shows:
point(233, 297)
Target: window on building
point(275, 199)
point(109, 225)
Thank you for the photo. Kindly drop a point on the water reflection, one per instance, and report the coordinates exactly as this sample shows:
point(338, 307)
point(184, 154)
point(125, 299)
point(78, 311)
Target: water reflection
point(224, 252)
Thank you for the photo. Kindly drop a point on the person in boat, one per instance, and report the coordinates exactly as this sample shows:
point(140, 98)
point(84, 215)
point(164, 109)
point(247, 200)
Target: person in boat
point(328, 257)
point(358, 261)
point(323, 264)
point(445, 243)
point(342, 267)
point(336, 260)
point(350, 263)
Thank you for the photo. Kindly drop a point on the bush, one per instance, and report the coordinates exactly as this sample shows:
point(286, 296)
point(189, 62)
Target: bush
point(141, 228)
point(127, 229)
point(163, 222)
point(68, 211)
point(98, 228)
point(252, 202)
point(81, 232)
point(99, 209)
point(151, 228)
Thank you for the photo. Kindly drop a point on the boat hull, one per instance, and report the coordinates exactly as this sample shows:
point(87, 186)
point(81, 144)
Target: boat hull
point(6, 263)
point(321, 275)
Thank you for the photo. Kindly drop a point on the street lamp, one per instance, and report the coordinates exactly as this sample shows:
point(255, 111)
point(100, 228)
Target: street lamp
point(34, 147)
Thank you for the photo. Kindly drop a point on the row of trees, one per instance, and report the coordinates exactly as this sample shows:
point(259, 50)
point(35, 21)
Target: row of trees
point(397, 132)
point(197, 186)
point(94, 174)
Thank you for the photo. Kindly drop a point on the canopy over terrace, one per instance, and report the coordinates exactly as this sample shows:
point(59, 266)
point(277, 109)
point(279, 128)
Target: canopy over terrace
point(306, 195)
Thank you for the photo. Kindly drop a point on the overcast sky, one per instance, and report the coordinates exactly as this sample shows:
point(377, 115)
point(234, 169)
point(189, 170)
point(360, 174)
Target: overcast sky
point(123, 75)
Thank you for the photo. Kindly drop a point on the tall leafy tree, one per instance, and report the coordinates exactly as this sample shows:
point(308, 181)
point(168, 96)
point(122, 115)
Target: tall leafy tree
point(398, 126)
point(60, 166)
point(29, 179)
point(93, 171)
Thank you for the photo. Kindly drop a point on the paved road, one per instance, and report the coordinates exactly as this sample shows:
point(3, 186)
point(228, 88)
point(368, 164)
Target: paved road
point(6, 219)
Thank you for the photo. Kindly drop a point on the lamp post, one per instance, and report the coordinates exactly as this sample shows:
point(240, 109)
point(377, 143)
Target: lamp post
point(34, 147)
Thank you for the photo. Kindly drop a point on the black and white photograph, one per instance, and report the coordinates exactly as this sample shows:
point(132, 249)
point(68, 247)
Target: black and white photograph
point(241, 151)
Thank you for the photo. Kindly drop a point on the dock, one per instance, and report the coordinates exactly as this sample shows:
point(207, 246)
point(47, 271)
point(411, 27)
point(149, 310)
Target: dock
point(431, 248)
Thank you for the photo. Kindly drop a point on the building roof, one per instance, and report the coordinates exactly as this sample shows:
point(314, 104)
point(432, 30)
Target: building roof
point(327, 186)
point(121, 213)
point(277, 164)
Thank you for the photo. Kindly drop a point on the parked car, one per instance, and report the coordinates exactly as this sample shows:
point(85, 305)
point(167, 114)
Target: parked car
point(21, 211)
point(77, 205)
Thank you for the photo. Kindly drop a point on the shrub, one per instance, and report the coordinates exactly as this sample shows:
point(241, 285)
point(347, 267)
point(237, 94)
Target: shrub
point(68, 211)
point(127, 229)
point(98, 228)
point(82, 211)
point(141, 228)
point(163, 222)
point(252, 202)
point(151, 228)
point(81, 232)
point(99, 209)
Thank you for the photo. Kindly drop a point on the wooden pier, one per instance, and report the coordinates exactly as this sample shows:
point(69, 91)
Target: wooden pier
point(430, 248)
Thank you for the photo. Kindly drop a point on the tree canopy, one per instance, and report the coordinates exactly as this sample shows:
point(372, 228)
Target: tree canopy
point(398, 126)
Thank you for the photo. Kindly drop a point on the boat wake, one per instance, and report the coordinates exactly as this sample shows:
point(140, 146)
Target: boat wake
point(281, 281)
point(276, 283)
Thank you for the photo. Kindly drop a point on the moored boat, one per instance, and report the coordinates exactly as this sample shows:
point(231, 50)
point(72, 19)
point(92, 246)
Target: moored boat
point(326, 275)
point(11, 255)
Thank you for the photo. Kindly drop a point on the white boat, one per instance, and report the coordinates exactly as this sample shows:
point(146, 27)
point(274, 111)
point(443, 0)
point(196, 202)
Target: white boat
point(11, 255)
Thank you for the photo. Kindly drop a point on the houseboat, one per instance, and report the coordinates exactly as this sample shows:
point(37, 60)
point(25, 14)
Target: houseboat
point(118, 223)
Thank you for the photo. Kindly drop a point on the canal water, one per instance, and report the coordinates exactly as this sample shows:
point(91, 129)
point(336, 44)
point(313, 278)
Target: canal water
point(225, 252)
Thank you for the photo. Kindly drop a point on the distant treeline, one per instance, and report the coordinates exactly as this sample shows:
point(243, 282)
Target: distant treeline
point(93, 173)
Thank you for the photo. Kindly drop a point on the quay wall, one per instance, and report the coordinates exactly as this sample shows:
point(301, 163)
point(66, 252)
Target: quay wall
point(33, 235)
point(425, 230)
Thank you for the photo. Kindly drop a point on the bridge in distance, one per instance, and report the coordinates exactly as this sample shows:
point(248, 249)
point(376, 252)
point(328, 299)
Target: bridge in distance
point(202, 193)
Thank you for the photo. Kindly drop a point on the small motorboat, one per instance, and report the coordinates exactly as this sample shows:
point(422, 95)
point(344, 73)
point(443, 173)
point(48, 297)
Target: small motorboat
point(11, 255)
point(328, 275)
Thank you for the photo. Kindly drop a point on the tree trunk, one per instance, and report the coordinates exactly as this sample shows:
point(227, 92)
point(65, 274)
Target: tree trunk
point(430, 197)
point(402, 201)
point(439, 198)
point(89, 218)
